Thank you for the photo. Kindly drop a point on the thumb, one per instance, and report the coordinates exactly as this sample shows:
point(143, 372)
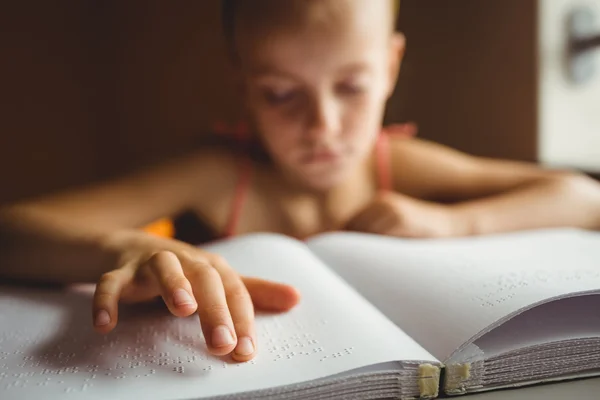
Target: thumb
point(271, 296)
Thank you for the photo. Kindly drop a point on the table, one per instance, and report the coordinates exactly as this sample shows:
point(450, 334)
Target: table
point(581, 389)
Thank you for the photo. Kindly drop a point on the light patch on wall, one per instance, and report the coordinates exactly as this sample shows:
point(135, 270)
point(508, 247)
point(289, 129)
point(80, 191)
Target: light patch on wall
point(569, 113)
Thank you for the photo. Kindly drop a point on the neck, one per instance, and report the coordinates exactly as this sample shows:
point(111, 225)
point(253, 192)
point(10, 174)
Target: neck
point(327, 209)
point(294, 187)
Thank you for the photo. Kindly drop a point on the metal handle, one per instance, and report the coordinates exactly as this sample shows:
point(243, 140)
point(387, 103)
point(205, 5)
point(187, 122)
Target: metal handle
point(584, 37)
point(584, 45)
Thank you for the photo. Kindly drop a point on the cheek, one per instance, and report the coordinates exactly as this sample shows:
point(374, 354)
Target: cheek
point(363, 122)
point(279, 134)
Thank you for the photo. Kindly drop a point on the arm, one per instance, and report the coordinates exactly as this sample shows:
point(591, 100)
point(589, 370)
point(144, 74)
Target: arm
point(51, 238)
point(87, 235)
point(491, 196)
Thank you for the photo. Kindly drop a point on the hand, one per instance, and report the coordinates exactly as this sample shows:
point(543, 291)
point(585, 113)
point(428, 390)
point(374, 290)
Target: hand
point(395, 214)
point(188, 280)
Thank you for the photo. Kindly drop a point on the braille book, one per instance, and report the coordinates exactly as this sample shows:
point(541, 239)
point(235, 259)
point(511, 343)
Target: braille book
point(380, 317)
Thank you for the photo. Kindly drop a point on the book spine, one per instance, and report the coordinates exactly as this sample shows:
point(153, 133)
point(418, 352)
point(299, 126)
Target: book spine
point(465, 371)
point(429, 381)
point(456, 377)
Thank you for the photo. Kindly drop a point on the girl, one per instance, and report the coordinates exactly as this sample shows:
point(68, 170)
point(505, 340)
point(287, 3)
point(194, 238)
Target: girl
point(316, 75)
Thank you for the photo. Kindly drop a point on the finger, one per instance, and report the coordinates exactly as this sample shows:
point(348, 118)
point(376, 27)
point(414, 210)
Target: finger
point(174, 287)
point(361, 220)
point(383, 220)
point(215, 317)
point(381, 224)
point(105, 309)
point(271, 296)
point(241, 308)
point(364, 221)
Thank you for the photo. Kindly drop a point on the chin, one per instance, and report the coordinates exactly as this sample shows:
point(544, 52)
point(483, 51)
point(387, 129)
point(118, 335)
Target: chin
point(320, 177)
point(325, 182)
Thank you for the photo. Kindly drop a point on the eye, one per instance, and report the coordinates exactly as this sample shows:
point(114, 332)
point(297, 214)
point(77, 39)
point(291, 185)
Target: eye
point(350, 88)
point(277, 97)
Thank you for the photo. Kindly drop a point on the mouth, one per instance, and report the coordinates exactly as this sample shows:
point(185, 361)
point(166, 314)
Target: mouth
point(322, 157)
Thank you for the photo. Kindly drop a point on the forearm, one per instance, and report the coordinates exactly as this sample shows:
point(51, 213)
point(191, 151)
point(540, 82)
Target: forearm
point(561, 201)
point(37, 246)
point(41, 248)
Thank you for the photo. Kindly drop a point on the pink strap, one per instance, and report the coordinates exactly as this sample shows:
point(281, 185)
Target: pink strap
point(239, 131)
point(241, 134)
point(240, 195)
point(383, 153)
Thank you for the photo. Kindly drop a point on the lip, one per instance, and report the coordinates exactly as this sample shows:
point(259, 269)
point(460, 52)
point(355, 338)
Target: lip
point(321, 157)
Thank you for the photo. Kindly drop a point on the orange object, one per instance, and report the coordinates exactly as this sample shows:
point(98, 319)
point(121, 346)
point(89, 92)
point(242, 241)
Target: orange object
point(163, 228)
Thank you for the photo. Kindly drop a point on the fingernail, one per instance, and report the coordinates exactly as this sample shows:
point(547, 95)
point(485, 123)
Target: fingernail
point(102, 318)
point(182, 298)
point(245, 347)
point(222, 337)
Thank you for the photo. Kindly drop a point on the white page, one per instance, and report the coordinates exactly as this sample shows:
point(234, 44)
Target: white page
point(572, 319)
point(445, 292)
point(49, 350)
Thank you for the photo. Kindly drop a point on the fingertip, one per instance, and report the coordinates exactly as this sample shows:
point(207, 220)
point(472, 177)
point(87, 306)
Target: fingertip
point(181, 303)
point(276, 297)
point(103, 322)
point(103, 329)
point(184, 310)
point(221, 351)
point(238, 358)
point(245, 349)
point(106, 299)
point(221, 341)
point(289, 297)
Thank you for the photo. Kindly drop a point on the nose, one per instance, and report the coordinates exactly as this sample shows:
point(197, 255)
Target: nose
point(324, 120)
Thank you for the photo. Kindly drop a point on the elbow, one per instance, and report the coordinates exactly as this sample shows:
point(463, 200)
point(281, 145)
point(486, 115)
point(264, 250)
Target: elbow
point(583, 191)
point(577, 183)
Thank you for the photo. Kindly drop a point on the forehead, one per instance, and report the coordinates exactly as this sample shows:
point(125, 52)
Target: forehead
point(318, 32)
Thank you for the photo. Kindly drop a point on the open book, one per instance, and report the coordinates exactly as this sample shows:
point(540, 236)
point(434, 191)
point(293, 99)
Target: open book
point(380, 318)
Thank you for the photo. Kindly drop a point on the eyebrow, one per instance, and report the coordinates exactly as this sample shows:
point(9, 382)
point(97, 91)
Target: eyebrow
point(263, 71)
point(270, 71)
point(355, 67)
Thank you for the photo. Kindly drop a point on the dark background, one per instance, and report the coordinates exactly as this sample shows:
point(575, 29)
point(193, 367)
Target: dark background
point(90, 89)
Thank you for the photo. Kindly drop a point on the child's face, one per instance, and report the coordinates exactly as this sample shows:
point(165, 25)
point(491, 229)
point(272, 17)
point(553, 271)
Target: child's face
point(316, 88)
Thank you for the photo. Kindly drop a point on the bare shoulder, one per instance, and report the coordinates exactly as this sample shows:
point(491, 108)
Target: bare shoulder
point(210, 163)
point(415, 149)
point(416, 163)
point(211, 171)
point(188, 176)
point(213, 174)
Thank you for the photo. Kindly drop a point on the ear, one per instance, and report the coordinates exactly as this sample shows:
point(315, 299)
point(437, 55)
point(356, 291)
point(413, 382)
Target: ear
point(396, 54)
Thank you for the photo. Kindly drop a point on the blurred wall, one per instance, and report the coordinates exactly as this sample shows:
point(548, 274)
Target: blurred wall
point(94, 88)
point(49, 91)
point(470, 74)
